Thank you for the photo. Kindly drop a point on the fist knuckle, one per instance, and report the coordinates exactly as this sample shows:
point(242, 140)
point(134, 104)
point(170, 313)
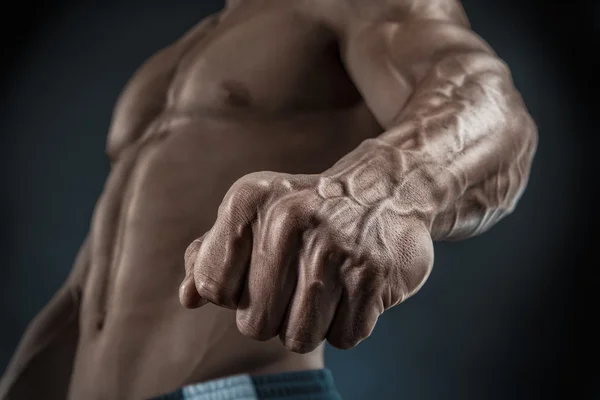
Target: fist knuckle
point(244, 192)
point(298, 346)
point(252, 183)
point(212, 290)
point(190, 260)
point(358, 334)
point(260, 178)
point(362, 332)
point(252, 330)
point(281, 183)
point(191, 249)
point(282, 213)
point(235, 202)
point(342, 343)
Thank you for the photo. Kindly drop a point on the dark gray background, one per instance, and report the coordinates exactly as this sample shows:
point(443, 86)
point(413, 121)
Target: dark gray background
point(496, 318)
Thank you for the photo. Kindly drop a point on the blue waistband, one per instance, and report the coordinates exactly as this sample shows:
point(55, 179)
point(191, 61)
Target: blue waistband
point(297, 385)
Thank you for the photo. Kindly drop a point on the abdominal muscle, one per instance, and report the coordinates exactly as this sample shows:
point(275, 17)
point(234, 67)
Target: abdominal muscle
point(136, 340)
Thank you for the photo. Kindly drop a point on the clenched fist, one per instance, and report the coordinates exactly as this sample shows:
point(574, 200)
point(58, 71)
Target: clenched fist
point(307, 258)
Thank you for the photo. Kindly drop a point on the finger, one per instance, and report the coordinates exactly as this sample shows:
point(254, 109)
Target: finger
point(359, 308)
point(316, 296)
point(272, 275)
point(191, 253)
point(188, 295)
point(223, 259)
point(222, 262)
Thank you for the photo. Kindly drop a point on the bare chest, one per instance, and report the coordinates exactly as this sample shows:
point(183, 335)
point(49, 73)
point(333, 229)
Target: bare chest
point(270, 62)
point(262, 91)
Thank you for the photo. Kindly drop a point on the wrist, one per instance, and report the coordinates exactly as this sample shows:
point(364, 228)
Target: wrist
point(379, 175)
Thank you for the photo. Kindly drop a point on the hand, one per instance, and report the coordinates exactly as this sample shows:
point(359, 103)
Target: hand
point(298, 257)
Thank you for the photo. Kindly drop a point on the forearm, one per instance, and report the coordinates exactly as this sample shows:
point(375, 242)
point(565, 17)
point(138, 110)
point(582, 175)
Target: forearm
point(456, 156)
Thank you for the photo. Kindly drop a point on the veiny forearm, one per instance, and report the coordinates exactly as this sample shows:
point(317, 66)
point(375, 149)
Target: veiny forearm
point(457, 155)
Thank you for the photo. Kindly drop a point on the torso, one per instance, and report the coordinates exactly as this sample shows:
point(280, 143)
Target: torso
point(261, 89)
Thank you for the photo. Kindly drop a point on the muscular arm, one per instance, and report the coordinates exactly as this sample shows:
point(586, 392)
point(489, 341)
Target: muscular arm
point(458, 140)
point(356, 240)
point(43, 361)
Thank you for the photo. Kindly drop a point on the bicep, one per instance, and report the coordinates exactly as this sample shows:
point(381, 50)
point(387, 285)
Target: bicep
point(387, 60)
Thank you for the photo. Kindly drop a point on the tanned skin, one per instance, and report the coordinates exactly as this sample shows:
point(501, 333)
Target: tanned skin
point(388, 124)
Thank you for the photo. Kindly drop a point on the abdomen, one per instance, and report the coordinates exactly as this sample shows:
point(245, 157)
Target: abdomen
point(174, 183)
